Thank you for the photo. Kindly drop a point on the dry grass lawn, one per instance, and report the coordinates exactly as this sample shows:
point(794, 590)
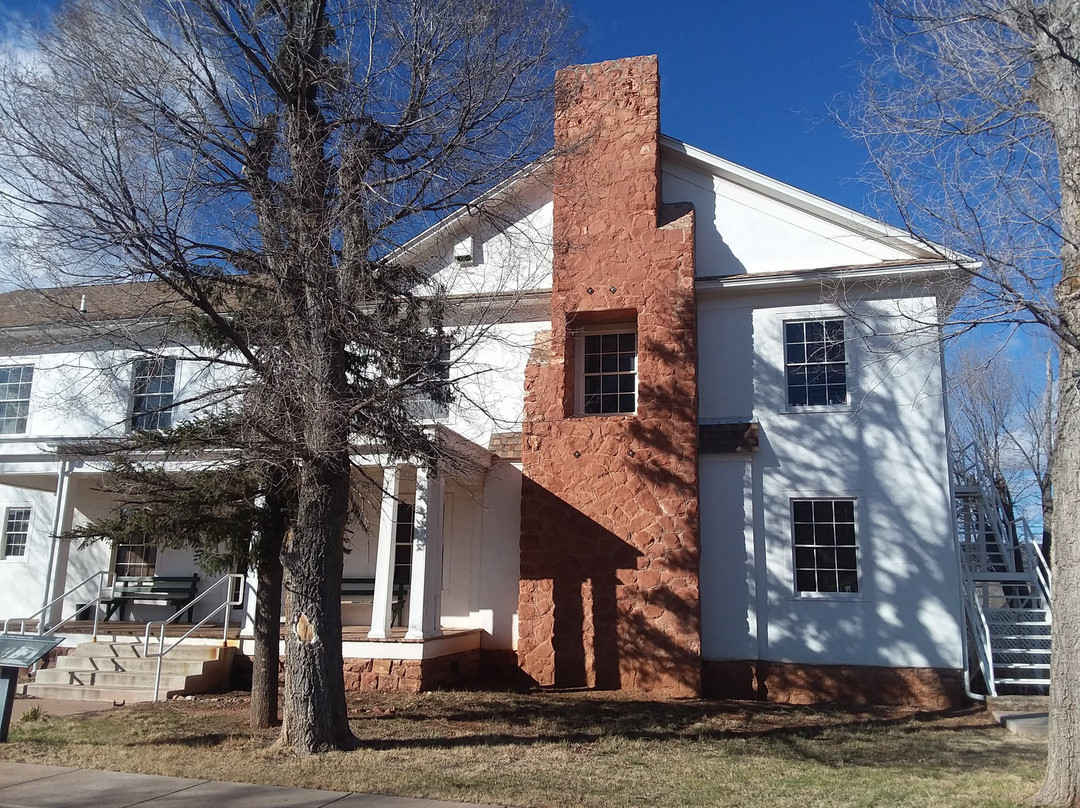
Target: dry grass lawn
point(579, 750)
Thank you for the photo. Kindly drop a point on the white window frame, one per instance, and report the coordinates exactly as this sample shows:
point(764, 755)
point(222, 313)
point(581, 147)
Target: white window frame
point(812, 317)
point(156, 413)
point(4, 536)
point(858, 506)
point(29, 397)
point(579, 367)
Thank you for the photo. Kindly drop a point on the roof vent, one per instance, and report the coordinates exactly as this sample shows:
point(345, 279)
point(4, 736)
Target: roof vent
point(463, 252)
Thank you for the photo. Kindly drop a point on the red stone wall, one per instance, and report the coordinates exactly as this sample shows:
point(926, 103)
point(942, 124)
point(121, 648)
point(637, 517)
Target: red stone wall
point(412, 675)
point(609, 528)
point(790, 683)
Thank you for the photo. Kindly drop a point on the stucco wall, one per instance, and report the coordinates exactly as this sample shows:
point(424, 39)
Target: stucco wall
point(886, 449)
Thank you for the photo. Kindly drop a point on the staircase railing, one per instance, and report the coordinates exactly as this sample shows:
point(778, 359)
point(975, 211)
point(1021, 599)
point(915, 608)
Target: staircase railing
point(42, 613)
point(1035, 563)
point(1001, 559)
point(234, 596)
point(980, 632)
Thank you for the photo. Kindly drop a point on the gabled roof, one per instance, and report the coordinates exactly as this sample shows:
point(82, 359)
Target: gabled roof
point(857, 223)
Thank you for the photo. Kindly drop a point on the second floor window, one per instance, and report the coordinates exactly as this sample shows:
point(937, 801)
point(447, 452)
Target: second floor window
point(152, 394)
point(608, 374)
point(15, 384)
point(816, 363)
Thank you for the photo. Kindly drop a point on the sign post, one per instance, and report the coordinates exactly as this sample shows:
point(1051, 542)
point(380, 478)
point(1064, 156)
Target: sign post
point(18, 651)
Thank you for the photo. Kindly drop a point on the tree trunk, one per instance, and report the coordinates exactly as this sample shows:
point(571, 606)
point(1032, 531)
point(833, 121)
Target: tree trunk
point(1062, 785)
point(1055, 88)
point(264, 668)
point(316, 716)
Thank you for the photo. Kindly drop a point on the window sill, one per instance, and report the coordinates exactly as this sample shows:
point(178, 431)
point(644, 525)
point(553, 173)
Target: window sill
point(847, 597)
point(817, 408)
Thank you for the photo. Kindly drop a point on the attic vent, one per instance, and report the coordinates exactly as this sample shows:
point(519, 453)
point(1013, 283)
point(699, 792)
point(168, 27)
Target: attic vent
point(463, 252)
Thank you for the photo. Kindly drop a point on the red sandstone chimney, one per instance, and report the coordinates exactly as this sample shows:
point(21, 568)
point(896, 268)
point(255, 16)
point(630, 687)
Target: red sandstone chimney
point(609, 519)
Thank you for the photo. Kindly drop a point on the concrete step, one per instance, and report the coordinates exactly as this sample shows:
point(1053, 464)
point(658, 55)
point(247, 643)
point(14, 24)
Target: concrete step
point(132, 664)
point(117, 672)
point(115, 695)
point(192, 683)
point(124, 650)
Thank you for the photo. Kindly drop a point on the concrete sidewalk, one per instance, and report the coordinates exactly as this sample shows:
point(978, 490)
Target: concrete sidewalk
point(28, 785)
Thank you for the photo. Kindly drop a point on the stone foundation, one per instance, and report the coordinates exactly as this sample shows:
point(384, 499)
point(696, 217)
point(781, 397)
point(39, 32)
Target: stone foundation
point(412, 675)
point(790, 683)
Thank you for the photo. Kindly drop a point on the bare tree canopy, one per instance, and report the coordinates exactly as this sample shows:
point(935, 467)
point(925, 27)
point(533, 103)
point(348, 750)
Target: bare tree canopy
point(957, 125)
point(971, 113)
point(262, 159)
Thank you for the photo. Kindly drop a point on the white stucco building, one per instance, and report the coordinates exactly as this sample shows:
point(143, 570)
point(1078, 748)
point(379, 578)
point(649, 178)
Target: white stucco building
point(811, 554)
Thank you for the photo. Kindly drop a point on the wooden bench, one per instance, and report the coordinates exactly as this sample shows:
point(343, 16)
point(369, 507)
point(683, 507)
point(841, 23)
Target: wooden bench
point(176, 590)
point(362, 590)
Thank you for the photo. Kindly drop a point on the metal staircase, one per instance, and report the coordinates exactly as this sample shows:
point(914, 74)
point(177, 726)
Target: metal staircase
point(1006, 587)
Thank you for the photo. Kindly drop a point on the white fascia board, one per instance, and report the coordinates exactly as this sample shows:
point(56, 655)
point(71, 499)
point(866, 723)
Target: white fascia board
point(810, 203)
point(462, 214)
point(929, 271)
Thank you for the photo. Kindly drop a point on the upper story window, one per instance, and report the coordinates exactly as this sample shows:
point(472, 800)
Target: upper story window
point(432, 399)
point(152, 394)
point(16, 532)
point(15, 384)
point(607, 375)
point(816, 363)
point(826, 553)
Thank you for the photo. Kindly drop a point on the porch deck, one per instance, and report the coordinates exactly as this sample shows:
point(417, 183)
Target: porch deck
point(133, 628)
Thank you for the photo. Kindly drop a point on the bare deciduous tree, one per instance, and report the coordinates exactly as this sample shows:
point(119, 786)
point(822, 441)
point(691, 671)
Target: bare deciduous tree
point(1007, 416)
point(263, 159)
point(971, 112)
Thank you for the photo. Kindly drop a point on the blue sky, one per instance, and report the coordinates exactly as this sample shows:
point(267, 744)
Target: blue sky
point(752, 82)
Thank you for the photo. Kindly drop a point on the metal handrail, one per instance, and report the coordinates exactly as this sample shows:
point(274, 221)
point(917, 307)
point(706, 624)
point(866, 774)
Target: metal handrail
point(230, 601)
point(1040, 570)
point(44, 609)
point(977, 619)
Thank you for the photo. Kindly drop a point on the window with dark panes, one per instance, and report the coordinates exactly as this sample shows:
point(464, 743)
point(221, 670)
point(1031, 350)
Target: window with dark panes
point(136, 558)
point(15, 384)
point(609, 373)
point(816, 363)
point(826, 551)
point(152, 394)
point(403, 542)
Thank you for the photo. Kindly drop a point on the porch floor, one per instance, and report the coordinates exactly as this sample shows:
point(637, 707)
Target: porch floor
point(133, 628)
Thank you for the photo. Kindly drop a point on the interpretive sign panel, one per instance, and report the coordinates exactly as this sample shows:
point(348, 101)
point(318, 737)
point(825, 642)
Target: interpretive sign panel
point(18, 651)
point(22, 650)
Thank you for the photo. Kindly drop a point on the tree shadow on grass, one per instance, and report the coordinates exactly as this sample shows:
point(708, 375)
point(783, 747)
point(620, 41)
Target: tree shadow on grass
point(954, 739)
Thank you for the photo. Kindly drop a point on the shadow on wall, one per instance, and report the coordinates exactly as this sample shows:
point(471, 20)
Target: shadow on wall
point(610, 623)
point(886, 451)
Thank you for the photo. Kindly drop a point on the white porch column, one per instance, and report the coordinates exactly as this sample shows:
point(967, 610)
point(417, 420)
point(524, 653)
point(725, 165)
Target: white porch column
point(63, 516)
point(251, 583)
point(251, 592)
point(381, 612)
point(425, 589)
